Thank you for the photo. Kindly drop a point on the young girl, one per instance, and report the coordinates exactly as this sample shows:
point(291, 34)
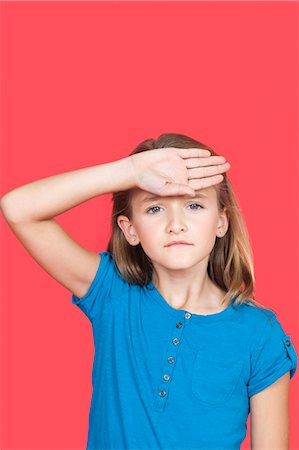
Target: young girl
point(183, 352)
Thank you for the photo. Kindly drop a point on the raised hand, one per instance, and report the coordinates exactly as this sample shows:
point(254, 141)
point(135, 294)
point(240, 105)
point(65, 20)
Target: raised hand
point(173, 171)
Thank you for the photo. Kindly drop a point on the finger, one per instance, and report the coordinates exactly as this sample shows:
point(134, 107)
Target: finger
point(205, 182)
point(192, 152)
point(201, 172)
point(200, 162)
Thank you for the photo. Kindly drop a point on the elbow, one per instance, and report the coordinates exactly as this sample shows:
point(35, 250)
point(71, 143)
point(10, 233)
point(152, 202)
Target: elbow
point(9, 207)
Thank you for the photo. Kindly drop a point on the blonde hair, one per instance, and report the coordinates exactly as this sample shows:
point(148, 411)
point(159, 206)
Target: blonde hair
point(230, 264)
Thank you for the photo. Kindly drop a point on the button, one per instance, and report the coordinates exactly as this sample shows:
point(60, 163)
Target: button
point(166, 377)
point(171, 359)
point(288, 343)
point(175, 341)
point(162, 393)
point(187, 315)
point(179, 324)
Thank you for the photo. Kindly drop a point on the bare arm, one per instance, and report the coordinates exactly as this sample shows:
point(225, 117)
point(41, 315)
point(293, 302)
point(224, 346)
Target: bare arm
point(30, 210)
point(269, 416)
point(48, 197)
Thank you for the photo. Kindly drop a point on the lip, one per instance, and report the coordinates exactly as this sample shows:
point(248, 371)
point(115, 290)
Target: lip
point(170, 244)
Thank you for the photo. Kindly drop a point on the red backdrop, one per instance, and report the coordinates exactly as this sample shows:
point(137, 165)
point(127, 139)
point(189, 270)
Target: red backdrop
point(83, 84)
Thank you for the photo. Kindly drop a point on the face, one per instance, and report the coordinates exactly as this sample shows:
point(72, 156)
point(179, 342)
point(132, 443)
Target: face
point(156, 222)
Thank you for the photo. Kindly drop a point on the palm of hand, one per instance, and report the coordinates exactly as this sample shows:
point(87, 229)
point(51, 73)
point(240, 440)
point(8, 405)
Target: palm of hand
point(158, 168)
point(177, 171)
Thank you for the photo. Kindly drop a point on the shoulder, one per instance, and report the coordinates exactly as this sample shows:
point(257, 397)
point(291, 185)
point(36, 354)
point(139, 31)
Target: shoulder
point(265, 331)
point(106, 255)
point(107, 260)
point(258, 316)
point(257, 323)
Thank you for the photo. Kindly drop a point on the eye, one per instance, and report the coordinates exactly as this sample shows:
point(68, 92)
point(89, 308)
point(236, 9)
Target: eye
point(197, 205)
point(154, 207)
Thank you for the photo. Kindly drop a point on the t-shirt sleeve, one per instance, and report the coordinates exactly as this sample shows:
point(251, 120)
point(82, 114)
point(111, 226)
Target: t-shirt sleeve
point(107, 281)
point(271, 357)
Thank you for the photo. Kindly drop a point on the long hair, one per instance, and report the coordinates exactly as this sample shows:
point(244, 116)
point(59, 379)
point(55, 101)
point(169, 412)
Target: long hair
point(230, 264)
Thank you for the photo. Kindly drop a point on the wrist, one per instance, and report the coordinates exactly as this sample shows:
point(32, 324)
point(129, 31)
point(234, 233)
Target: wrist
point(132, 170)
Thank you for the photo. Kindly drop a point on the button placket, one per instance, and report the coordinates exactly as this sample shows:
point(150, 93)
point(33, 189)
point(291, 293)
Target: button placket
point(169, 364)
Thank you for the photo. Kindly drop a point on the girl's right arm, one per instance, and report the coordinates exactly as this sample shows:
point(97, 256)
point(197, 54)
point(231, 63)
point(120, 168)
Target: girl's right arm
point(30, 210)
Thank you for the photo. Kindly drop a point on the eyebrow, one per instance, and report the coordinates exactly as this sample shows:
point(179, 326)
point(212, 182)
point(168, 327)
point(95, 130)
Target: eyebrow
point(156, 197)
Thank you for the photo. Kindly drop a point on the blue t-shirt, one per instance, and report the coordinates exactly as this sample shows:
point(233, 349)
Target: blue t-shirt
point(167, 379)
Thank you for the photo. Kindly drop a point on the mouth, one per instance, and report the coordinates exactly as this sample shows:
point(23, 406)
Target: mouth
point(174, 244)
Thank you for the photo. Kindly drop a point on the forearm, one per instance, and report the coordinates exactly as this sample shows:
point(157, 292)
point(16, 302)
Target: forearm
point(51, 196)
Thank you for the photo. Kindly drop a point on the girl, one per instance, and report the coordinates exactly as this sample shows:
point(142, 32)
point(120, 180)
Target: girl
point(183, 352)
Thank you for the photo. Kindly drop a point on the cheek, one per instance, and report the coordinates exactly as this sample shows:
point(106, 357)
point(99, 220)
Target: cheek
point(145, 230)
point(205, 223)
point(147, 236)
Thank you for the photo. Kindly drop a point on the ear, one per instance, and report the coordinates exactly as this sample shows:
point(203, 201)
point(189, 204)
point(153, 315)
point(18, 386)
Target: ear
point(128, 229)
point(223, 223)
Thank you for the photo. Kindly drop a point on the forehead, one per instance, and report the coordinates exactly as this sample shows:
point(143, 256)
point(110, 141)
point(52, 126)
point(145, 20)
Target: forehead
point(141, 197)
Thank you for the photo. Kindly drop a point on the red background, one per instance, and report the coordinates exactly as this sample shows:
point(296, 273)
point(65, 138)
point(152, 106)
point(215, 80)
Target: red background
point(83, 84)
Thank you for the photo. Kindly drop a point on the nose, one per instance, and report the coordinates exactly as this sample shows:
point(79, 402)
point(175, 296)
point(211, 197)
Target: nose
point(176, 224)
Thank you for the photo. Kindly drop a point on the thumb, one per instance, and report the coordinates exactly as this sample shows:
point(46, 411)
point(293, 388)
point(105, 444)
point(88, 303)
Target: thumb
point(178, 189)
